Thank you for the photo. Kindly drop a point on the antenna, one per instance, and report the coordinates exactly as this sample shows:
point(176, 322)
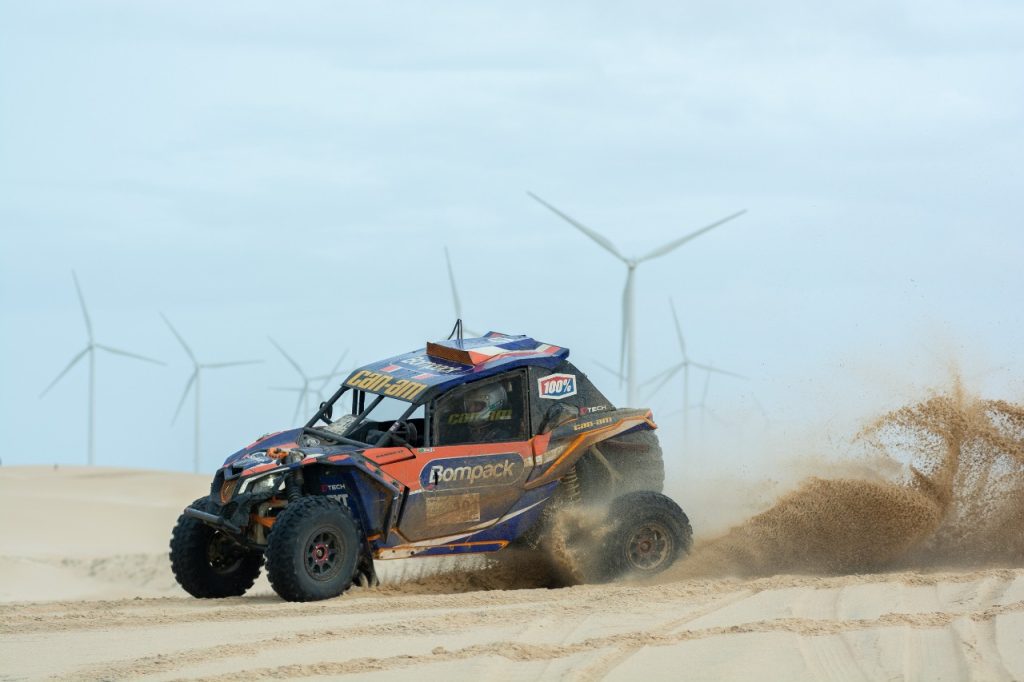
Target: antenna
point(90, 350)
point(627, 353)
point(195, 379)
point(457, 332)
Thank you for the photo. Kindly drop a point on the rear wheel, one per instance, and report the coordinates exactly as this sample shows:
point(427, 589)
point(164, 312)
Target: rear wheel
point(649, 532)
point(313, 550)
point(209, 564)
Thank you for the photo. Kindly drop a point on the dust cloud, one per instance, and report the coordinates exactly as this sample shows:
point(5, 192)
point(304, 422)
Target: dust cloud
point(949, 492)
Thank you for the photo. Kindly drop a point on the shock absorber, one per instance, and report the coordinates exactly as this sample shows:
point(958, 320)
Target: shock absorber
point(293, 487)
point(571, 484)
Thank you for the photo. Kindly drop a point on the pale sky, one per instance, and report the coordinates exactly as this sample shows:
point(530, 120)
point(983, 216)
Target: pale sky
point(255, 169)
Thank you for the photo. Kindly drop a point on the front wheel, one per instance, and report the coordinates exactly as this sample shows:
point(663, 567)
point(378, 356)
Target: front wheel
point(313, 550)
point(650, 532)
point(207, 563)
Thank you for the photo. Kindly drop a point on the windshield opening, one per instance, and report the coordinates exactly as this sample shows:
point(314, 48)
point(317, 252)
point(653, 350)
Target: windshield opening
point(370, 420)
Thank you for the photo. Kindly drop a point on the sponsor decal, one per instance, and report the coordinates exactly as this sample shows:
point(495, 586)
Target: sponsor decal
point(472, 472)
point(389, 368)
point(595, 408)
point(469, 417)
point(383, 384)
point(332, 487)
point(582, 426)
point(430, 366)
point(557, 386)
point(445, 510)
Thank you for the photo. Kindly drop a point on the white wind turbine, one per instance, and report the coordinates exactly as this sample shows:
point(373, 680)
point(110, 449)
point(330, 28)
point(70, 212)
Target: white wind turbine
point(91, 349)
point(455, 293)
point(305, 390)
point(684, 365)
point(195, 380)
point(627, 354)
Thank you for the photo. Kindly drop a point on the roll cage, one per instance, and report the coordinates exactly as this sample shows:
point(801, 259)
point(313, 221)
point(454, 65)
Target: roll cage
point(357, 433)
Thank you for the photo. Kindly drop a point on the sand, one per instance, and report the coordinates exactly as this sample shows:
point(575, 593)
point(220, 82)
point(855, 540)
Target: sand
point(840, 578)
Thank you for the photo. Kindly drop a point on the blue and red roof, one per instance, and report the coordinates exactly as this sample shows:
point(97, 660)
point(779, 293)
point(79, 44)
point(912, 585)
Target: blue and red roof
point(414, 376)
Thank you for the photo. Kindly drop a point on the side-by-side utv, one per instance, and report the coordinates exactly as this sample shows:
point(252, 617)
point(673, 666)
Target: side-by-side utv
point(464, 446)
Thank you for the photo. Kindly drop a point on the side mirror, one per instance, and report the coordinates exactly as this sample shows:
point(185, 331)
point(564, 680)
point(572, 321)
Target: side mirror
point(558, 414)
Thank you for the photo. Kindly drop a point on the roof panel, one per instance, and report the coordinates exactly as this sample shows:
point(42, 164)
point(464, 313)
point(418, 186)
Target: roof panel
point(416, 375)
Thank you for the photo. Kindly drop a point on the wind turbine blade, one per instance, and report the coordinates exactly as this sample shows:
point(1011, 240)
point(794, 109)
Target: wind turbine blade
point(679, 330)
point(451, 280)
point(667, 378)
point(709, 369)
point(707, 384)
point(288, 358)
point(184, 394)
point(81, 300)
point(66, 370)
point(608, 369)
point(118, 351)
point(236, 363)
point(180, 340)
point(662, 250)
point(334, 372)
point(662, 373)
point(597, 237)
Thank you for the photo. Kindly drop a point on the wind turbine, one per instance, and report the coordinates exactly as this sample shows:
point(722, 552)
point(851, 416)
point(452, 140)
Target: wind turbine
point(90, 350)
point(627, 354)
point(195, 380)
point(455, 292)
point(685, 365)
point(305, 391)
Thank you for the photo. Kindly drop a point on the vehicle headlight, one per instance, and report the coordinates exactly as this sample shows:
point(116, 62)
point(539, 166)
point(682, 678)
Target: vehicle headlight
point(260, 484)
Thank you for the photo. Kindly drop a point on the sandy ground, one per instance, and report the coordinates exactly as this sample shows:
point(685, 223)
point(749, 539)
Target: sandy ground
point(89, 596)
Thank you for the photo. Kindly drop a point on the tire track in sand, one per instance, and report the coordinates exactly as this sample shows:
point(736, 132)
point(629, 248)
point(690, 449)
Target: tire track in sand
point(520, 652)
point(620, 654)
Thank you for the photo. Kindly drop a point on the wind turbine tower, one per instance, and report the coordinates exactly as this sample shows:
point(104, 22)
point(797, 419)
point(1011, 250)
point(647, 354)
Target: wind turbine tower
point(195, 379)
point(90, 350)
point(627, 354)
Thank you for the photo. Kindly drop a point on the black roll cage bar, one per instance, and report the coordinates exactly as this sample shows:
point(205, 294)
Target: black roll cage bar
point(360, 409)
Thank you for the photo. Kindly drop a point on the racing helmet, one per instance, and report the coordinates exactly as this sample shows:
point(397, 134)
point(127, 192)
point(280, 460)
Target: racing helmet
point(481, 404)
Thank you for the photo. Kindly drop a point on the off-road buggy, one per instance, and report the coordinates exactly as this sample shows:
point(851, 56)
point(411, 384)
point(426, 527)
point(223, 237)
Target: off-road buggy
point(465, 446)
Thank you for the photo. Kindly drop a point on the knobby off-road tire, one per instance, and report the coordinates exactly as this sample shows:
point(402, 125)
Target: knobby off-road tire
point(636, 460)
point(648, 533)
point(313, 550)
point(207, 563)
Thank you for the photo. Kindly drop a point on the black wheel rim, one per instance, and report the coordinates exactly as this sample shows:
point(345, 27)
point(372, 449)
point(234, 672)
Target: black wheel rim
point(223, 554)
point(649, 547)
point(323, 554)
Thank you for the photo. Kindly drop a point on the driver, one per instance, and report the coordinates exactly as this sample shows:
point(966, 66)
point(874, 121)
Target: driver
point(487, 413)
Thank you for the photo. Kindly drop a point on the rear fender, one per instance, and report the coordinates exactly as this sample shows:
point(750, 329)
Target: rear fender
point(556, 452)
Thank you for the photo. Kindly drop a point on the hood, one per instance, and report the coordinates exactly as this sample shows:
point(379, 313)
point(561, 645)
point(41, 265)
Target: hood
point(255, 453)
